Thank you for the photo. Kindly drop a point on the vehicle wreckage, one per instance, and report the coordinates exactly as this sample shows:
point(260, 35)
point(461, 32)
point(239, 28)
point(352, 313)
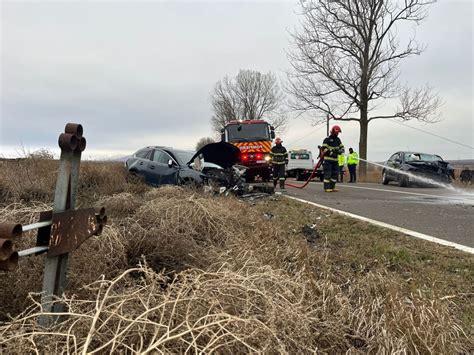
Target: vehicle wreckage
point(219, 163)
point(409, 168)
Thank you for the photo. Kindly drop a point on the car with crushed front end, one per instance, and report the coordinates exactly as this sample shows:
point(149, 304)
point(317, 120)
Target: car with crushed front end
point(408, 168)
point(160, 165)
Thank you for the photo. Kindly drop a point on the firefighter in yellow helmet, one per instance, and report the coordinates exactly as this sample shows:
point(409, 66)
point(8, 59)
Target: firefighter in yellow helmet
point(331, 148)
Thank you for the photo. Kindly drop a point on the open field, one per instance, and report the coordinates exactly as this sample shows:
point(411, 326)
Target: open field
point(177, 270)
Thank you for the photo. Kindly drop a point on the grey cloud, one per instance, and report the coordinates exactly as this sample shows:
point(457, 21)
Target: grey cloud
point(137, 73)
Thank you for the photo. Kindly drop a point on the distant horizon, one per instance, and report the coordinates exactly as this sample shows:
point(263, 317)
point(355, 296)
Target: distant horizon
point(21, 154)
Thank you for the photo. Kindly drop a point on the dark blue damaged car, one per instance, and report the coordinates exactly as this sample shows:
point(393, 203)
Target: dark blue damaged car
point(413, 168)
point(168, 166)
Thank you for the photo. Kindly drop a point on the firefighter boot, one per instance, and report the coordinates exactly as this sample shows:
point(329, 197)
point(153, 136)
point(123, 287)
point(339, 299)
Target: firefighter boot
point(274, 183)
point(327, 186)
point(282, 184)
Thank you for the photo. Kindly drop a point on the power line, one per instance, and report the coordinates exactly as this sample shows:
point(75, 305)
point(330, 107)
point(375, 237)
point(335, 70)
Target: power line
point(399, 123)
point(432, 134)
point(306, 135)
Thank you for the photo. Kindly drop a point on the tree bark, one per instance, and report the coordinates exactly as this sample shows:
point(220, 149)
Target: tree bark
point(364, 127)
point(364, 119)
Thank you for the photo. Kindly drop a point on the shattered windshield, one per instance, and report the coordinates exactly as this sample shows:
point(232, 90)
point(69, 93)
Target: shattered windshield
point(183, 156)
point(410, 157)
point(248, 132)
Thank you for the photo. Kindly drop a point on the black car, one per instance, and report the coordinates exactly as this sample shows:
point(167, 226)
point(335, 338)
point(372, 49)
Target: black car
point(419, 168)
point(169, 166)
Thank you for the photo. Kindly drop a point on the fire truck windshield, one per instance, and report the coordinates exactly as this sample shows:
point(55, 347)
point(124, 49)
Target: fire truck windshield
point(248, 132)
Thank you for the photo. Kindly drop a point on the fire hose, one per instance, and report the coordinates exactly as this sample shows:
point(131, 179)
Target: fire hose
point(316, 167)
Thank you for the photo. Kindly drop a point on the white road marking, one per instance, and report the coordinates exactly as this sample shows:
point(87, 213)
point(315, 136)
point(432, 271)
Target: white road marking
point(389, 226)
point(408, 193)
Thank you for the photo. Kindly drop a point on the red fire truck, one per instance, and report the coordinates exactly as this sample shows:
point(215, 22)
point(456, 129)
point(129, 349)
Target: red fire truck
point(254, 139)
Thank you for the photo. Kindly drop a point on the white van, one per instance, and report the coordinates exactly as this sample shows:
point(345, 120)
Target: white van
point(301, 164)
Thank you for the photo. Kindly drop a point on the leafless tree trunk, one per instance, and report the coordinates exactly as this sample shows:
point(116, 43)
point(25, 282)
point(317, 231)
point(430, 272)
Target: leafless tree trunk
point(251, 95)
point(345, 62)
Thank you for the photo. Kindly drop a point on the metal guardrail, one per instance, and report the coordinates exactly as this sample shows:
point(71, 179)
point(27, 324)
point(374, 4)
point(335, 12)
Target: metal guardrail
point(59, 231)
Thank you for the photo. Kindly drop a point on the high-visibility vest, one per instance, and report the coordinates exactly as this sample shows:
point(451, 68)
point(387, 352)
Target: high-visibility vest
point(341, 159)
point(353, 159)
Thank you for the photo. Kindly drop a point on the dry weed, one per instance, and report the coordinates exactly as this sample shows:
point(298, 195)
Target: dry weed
point(253, 309)
point(214, 275)
point(34, 179)
point(99, 255)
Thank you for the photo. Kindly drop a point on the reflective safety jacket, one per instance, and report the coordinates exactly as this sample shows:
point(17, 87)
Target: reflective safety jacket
point(353, 159)
point(341, 159)
point(332, 147)
point(279, 155)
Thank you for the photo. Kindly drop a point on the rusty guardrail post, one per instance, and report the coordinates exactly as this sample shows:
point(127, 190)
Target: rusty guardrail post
point(59, 231)
point(9, 232)
point(72, 143)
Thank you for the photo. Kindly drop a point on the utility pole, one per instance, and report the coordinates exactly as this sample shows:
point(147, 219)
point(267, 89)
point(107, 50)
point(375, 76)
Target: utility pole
point(327, 125)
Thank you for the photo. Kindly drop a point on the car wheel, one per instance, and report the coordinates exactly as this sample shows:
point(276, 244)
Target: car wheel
point(385, 179)
point(298, 175)
point(133, 176)
point(403, 181)
point(266, 177)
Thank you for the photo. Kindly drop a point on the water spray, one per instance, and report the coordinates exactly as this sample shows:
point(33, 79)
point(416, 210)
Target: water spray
point(413, 177)
point(418, 178)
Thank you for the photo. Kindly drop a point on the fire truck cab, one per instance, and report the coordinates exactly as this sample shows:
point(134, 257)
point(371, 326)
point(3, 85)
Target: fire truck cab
point(254, 139)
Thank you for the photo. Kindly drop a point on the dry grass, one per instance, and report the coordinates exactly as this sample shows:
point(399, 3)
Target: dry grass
point(179, 271)
point(34, 179)
point(372, 176)
point(253, 309)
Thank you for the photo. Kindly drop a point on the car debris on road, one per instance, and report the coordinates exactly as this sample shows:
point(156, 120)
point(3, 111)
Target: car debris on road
point(215, 167)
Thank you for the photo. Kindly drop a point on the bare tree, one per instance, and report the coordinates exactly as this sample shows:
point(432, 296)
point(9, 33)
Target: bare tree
point(251, 95)
point(345, 62)
point(204, 141)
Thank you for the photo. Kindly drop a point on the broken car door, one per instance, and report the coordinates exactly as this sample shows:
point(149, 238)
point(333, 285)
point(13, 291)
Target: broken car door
point(158, 170)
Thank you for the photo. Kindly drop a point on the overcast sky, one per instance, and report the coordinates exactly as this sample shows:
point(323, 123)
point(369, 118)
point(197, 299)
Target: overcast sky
point(139, 73)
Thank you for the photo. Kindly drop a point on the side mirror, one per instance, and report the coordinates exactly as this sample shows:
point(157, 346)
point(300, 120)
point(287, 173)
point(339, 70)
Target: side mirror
point(272, 132)
point(170, 163)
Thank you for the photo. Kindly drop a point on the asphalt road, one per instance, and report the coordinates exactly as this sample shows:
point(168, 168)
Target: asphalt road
point(438, 212)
